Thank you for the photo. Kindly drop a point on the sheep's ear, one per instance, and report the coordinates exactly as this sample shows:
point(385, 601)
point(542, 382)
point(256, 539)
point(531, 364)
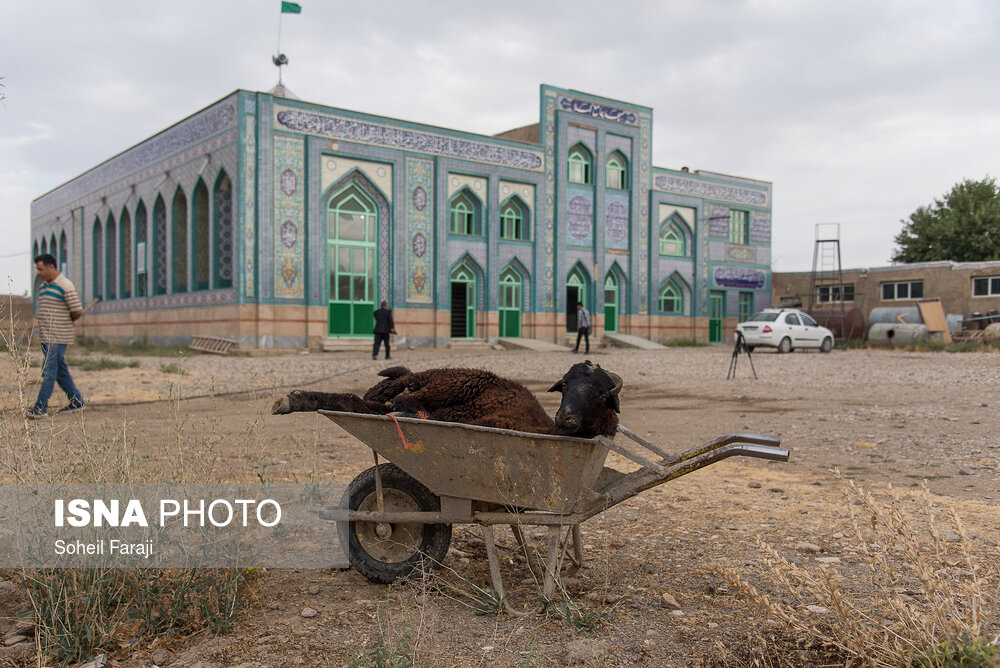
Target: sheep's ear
point(611, 401)
point(557, 387)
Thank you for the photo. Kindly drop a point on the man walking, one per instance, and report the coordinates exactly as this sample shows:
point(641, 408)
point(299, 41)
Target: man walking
point(58, 308)
point(383, 327)
point(582, 327)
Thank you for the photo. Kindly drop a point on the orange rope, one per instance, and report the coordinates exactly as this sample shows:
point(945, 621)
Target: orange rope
point(406, 444)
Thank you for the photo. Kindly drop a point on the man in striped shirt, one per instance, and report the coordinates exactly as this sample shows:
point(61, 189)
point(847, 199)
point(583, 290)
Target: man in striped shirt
point(58, 307)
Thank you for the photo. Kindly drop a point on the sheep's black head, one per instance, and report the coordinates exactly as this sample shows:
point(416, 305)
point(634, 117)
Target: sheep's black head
point(589, 401)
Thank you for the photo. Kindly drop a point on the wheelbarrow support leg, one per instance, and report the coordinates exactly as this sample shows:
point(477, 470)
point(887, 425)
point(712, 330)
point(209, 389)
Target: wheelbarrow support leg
point(491, 556)
point(552, 560)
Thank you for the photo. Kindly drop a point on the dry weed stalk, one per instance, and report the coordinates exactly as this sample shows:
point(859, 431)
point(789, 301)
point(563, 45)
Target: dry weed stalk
point(920, 594)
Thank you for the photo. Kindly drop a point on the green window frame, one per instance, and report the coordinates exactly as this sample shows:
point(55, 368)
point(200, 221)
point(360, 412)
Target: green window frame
point(512, 218)
point(671, 299)
point(672, 241)
point(580, 165)
point(464, 218)
point(739, 228)
point(746, 306)
point(510, 290)
point(616, 173)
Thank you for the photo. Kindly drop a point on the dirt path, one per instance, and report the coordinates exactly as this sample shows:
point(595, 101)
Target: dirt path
point(879, 417)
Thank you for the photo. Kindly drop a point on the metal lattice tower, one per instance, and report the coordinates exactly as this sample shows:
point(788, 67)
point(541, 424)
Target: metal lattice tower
point(828, 277)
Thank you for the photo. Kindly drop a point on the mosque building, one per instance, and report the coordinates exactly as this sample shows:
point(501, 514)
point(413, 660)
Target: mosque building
point(282, 223)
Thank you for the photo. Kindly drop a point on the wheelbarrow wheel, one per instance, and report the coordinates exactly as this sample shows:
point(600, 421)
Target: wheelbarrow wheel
point(387, 551)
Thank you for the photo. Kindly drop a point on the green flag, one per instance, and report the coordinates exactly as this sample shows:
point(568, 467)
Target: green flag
point(290, 7)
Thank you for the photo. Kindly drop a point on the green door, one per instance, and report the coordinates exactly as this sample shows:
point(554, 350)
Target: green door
point(510, 304)
point(716, 312)
point(463, 303)
point(574, 294)
point(611, 303)
point(352, 224)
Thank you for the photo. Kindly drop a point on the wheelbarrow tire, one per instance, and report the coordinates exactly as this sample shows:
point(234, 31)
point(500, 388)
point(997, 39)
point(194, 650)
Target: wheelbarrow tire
point(411, 549)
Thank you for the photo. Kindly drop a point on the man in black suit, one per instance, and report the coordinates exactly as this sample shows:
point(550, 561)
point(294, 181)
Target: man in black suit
point(383, 327)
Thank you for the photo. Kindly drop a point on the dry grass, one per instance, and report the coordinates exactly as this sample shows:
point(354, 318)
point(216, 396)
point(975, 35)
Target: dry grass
point(80, 612)
point(924, 594)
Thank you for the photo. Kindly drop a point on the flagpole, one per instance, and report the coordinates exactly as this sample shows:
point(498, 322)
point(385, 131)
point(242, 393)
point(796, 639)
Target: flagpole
point(281, 15)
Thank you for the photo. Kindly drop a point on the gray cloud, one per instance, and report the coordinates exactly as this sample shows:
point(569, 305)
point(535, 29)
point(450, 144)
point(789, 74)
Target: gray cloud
point(858, 112)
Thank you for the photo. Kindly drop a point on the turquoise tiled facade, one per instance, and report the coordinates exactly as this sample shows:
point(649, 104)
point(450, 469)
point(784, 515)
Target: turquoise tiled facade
point(659, 253)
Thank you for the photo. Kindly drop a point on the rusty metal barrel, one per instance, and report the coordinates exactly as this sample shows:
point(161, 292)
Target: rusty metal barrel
point(852, 326)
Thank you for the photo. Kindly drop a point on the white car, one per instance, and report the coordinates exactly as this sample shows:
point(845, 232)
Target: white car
point(785, 329)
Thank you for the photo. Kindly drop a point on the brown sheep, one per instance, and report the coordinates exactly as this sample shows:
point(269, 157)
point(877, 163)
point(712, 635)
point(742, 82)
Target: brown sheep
point(589, 404)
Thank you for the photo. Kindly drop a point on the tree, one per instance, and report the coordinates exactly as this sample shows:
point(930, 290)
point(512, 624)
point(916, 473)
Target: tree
point(964, 227)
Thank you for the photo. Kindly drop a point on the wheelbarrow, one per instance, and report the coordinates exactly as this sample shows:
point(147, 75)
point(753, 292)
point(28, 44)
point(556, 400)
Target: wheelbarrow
point(395, 518)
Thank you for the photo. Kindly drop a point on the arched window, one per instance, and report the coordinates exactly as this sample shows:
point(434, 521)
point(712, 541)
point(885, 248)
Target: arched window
point(580, 165)
point(200, 253)
point(616, 172)
point(352, 228)
point(45, 245)
point(141, 236)
point(125, 257)
point(98, 256)
point(34, 251)
point(512, 219)
point(160, 269)
point(111, 257)
point(53, 249)
point(63, 253)
point(179, 247)
point(672, 239)
point(671, 299)
point(223, 231)
point(464, 214)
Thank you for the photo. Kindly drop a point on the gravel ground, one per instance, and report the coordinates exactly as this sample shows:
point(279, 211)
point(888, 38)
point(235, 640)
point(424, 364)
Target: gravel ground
point(880, 417)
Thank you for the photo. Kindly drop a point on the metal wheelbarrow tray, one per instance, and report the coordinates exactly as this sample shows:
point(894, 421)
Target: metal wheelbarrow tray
point(396, 518)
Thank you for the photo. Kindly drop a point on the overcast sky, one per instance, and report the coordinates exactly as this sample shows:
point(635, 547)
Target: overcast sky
point(857, 112)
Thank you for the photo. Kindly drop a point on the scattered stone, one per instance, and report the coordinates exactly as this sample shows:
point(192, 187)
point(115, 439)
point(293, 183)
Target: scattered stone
point(652, 633)
point(808, 547)
point(839, 535)
point(271, 640)
point(828, 560)
point(308, 612)
point(161, 657)
point(753, 484)
point(713, 625)
point(817, 609)
point(24, 626)
point(275, 606)
point(669, 601)
point(776, 490)
point(100, 662)
point(950, 537)
point(17, 653)
point(677, 613)
point(313, 590)
point(455, 553)
point(13, 640)
point(966, 471)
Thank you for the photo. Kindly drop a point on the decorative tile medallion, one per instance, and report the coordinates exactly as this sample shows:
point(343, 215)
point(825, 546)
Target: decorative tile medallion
point(419, 230)
point(249, 205)
point(289, 215)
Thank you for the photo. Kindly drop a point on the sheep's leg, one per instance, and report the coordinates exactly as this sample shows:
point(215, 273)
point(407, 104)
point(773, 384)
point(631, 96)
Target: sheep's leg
point(299, 400)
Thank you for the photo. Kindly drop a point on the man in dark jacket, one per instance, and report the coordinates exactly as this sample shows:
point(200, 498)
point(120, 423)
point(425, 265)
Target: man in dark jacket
point(383, 327)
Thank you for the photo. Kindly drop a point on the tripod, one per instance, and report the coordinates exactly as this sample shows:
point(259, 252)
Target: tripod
point(741, 344)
